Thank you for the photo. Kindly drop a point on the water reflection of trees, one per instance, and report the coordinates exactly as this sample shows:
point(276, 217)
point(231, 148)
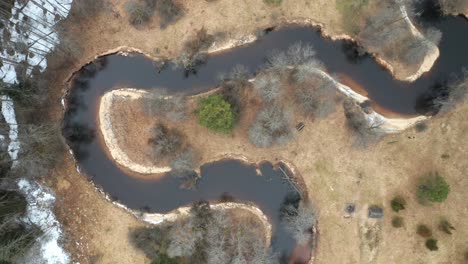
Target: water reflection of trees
point(79, 136)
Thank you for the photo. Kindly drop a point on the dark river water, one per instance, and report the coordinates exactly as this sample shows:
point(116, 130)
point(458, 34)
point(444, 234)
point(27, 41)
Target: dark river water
point(232, 177)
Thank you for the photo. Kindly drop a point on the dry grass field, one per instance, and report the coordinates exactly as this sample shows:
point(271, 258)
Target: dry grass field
point(335, 172)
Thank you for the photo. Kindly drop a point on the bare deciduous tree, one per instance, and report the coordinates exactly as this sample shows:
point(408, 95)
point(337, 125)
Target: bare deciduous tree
point(165, 142)
point(272, 126)
point(139, 13)
point(296, 54)
point(159, 103)
point(315, 95)
point(300, 221)
point(183, 238)
point(268, 86)
point(364, 130)
point(455, 92)
point(184, 162)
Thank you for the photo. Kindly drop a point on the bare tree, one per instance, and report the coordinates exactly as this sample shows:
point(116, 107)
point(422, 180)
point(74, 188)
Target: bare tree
point(183, 238)
point(452, 93)
point(315, 95)
point(165, 142)
point(233, 87)
point(184, 162)
point(364, 130)
point(297, 54)
point(268, 86)
point(434, 35)
point(300, 221)
point(272, 126)
point(139, 13)
point(194, 52)
point(159, 103)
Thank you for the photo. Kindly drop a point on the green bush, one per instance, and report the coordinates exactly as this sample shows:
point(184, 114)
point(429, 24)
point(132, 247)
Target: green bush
point(273, 2)
point(216, 114)
point(398, 203)
point(446, 227)
point(164, 259)
point(431, 244)
point(432, 188)
point(424, 231)
point(397, 222)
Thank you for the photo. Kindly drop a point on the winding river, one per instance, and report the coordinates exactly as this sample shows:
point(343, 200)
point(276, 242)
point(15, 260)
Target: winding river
point(232, 177)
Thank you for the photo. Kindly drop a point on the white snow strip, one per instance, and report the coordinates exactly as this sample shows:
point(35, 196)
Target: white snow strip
point(8, 111)
point(40, 212)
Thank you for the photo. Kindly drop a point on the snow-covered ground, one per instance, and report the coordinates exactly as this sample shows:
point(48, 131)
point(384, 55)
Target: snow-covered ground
point(40, 212)
point(9, 116)
point(33, 24)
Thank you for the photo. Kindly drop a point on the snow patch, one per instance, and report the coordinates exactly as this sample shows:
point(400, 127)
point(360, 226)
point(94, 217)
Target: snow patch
point(31, 24)
point(40, 212)
point(8, 111)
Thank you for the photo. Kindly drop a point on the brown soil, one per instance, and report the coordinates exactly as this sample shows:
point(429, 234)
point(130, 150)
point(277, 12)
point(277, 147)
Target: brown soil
point(334, 171)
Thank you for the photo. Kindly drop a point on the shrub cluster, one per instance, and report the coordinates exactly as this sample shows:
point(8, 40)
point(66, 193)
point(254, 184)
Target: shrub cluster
point(424, 231)
point(365, 131)
point(138, 13)
point(141, 12)
point(194, 53)
point(205, 236)
point(233, 86)
point(168, 11)
point(165, 142)
point(268, 86)
point(273, 2)
point(315, 96)
point(432, 188)
point(16, 237)
point(431, 244)
point(299, 220)
point(397, 222)
point(398, 203)
point(446, 227)
point(296, 55)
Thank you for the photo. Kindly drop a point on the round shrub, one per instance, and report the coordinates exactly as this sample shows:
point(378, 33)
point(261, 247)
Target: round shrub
point(397, 222)
point(431, 244)
point(433, 188)
point(398, 203)
point(216, 114)
point(424, 231)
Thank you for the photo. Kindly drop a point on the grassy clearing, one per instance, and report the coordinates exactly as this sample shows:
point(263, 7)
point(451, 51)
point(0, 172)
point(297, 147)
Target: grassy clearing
point(352, 14)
